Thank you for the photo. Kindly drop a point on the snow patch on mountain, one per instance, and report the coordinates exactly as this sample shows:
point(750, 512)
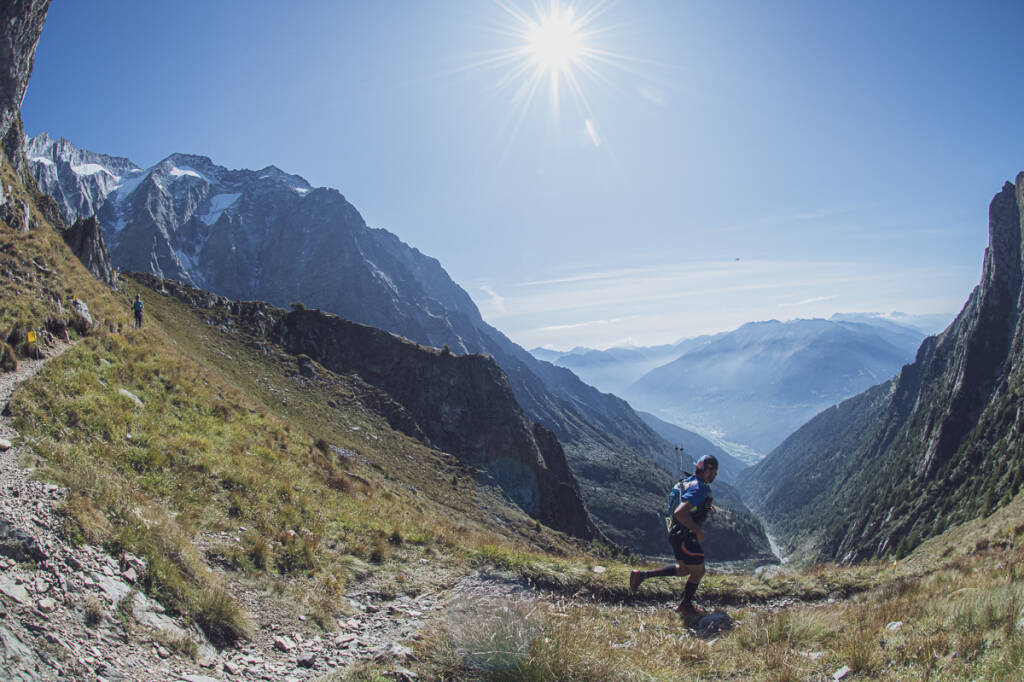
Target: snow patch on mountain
point(91, 169)
point(218, 204)
point(128, 186)
point(176, 172)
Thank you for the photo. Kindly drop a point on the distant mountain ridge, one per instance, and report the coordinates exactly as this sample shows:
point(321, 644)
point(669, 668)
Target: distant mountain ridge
point(268, 235)
point(749, 388)
point(935, 446)
point(759, 383)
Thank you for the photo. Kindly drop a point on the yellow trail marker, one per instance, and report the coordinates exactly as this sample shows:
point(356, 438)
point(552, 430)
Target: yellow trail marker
point(31, 337)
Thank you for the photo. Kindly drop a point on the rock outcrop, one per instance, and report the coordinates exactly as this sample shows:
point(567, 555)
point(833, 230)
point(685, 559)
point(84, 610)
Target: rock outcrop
point(941, 443)
point(460, 404)
point(21, 24)
point(86, 241)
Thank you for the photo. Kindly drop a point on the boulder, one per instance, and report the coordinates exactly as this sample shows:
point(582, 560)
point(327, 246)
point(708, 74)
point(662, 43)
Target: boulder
point(18, 545)
point(713, 623)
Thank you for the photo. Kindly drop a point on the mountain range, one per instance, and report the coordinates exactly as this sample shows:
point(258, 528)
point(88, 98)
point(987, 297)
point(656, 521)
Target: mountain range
point(749, 388)
point(937, 445)
point(268, 235)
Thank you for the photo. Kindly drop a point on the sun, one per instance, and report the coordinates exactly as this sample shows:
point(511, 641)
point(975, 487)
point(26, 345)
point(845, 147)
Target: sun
point(557, 47)
point(555, 41)
point(552, 45)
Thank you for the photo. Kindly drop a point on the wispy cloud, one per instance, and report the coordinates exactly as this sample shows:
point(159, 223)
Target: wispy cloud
point(808, 301)
point(788, 219)
point(662, 301)
point(659, 284)
point(582, 325)
point(497, 301)
point(587, 277)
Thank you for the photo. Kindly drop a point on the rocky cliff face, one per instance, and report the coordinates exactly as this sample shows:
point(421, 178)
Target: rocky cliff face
point(460, 404)
point(86, 241)
point(77, 179)
point(939, 444)
point(21, 23)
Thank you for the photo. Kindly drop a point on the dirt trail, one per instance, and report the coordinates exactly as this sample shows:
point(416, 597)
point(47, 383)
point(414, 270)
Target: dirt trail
point(76, 612)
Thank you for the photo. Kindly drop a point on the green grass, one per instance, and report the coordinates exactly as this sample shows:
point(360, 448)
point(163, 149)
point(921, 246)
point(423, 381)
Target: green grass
point(959, 621)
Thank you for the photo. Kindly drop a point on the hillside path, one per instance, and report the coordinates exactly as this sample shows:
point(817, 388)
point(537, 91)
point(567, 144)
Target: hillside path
point(75, 613)
point(58, 603)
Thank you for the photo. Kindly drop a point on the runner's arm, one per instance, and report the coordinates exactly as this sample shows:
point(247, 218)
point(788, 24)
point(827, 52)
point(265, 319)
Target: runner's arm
point(683, 516)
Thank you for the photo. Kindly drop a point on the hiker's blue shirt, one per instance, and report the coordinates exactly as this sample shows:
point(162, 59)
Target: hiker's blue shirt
point(695, 493)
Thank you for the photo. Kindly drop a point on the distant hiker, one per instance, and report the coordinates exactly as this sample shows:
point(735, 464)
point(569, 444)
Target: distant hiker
point(137, 307)
point(686, 535)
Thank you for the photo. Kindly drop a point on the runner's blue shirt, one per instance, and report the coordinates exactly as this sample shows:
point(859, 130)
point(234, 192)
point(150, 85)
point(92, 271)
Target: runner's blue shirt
point(695, 494)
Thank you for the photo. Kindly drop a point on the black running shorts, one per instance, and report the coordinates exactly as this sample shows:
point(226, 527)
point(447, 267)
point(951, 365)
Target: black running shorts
point(686, 548)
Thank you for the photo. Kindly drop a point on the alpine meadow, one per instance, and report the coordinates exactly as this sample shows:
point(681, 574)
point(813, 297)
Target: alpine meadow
point(246, 435)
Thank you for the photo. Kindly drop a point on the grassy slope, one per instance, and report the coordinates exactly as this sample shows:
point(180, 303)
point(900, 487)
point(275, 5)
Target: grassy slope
point(954, 610)
point(228, 436)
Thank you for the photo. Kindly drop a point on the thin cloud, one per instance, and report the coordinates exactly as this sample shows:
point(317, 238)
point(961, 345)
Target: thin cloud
point(582, 325)
point(587, 277)
point(808, 301)
point(789, 219)
point(497, 301)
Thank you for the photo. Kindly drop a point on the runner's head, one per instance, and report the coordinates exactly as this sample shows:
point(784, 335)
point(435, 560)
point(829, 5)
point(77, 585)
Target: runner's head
point(707, 468)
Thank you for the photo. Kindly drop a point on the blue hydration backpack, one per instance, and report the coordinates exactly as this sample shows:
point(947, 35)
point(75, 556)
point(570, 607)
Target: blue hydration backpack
point(675, 497)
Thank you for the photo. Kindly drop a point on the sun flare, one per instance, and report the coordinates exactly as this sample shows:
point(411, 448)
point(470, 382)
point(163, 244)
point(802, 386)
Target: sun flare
point(554, 42)
point(553, 46)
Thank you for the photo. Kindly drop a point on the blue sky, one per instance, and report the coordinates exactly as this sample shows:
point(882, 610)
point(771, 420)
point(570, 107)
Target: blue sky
point(744, 160)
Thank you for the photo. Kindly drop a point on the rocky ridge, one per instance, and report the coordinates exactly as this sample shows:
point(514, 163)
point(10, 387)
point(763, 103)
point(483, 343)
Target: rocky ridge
point(461, 404)
point(86, 241)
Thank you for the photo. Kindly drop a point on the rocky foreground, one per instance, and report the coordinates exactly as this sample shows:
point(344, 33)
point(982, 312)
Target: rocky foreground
point(75, 612)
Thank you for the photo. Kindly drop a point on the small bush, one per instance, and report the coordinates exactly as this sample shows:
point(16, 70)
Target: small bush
point(221, 619)
point(297, 554)
point(93, 611)
point(257, 549)
point(181, 644)
point(338, 480)
point(298, 305)
point(17, 335)
point(8, 361)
